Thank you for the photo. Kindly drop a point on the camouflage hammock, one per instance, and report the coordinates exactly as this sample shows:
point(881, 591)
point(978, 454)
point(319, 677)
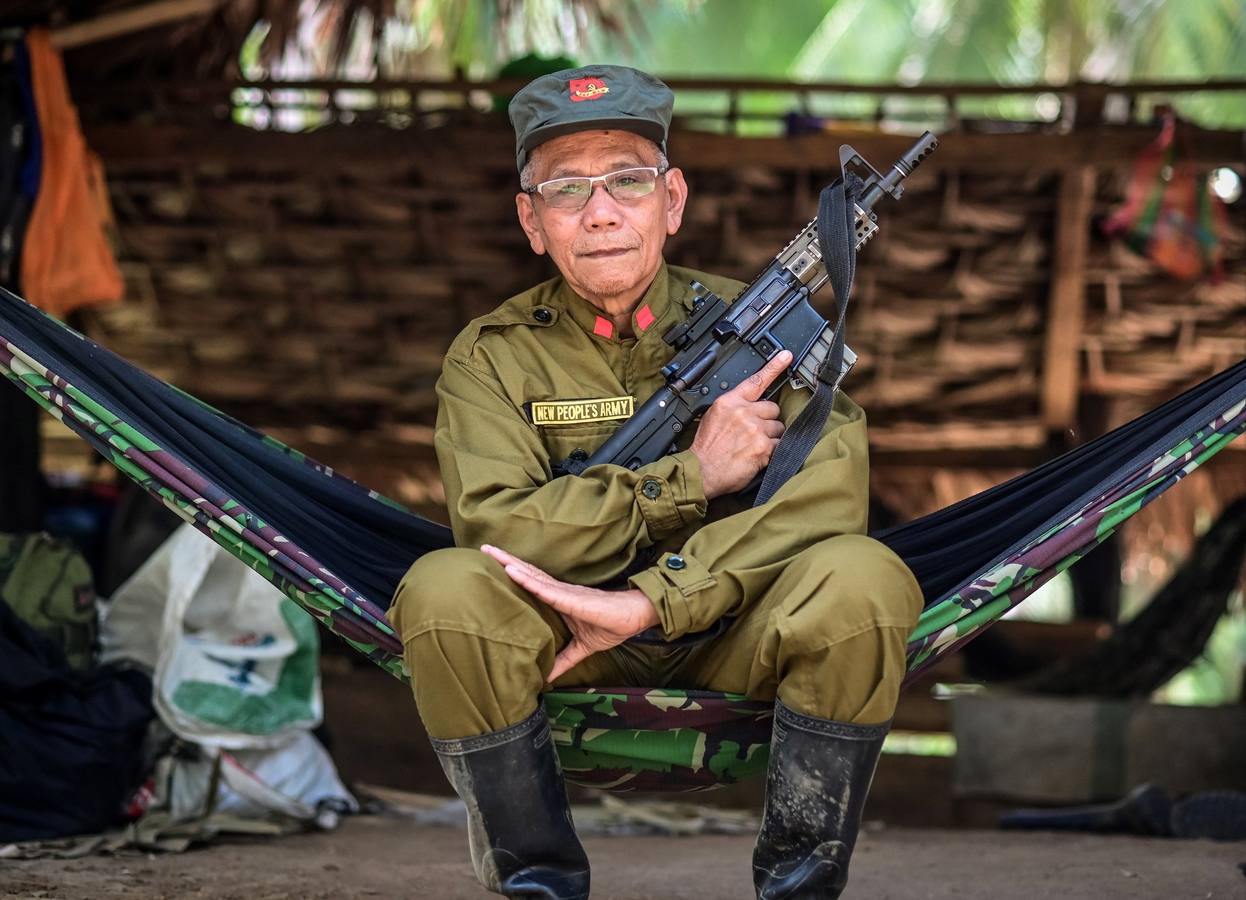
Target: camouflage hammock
point(339, 549)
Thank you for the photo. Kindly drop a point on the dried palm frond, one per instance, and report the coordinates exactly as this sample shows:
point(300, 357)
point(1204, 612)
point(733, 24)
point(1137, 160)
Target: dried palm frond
point(353, 39)
point(407, 38)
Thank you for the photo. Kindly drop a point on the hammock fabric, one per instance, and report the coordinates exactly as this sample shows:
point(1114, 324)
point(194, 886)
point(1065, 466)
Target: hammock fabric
point(339, 549)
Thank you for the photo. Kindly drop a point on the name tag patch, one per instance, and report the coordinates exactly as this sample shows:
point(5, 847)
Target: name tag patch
point(575, 412)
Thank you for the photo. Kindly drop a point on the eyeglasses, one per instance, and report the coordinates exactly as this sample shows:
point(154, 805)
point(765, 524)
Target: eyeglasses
point(625, 185)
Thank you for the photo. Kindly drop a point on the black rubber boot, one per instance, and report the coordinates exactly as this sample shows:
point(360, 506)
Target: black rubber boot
point(1219, 815)
point(1146, 811)
point(820, 772)
point(519, 829)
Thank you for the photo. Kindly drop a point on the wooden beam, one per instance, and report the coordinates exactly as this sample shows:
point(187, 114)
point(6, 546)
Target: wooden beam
point(126, 21)
point(221, 88)
point(486, 142)
point(1066, 305)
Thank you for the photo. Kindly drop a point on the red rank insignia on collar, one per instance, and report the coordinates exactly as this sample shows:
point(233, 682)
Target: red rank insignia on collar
point(587, 89)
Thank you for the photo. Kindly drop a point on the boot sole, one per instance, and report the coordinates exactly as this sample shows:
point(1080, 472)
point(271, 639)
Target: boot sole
point(1218, 815)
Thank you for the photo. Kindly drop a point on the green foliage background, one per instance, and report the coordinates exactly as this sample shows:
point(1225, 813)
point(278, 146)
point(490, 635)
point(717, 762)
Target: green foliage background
point(1021, 42)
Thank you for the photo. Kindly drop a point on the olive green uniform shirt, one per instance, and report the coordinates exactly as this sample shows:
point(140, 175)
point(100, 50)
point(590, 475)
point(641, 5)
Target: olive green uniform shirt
point(705, 561)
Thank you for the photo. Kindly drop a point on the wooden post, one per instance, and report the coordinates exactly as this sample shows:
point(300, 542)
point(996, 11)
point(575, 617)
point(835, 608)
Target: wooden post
point(1067, 299)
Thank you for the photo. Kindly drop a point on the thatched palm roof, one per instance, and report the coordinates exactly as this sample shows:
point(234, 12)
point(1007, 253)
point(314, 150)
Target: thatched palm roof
point(205, 38)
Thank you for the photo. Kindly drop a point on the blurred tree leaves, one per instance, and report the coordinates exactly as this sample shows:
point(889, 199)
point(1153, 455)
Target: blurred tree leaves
point(879, 41)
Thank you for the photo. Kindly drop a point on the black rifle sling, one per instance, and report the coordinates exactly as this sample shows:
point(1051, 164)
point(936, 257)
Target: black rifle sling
point(837, 241)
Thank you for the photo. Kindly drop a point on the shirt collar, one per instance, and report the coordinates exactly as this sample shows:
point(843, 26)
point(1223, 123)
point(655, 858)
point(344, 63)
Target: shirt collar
point(648, 317)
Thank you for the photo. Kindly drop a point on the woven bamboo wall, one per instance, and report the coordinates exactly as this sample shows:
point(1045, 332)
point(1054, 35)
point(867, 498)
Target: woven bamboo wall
point(316, 296)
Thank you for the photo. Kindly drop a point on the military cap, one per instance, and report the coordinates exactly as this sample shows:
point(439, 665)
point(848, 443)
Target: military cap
point(590, 97)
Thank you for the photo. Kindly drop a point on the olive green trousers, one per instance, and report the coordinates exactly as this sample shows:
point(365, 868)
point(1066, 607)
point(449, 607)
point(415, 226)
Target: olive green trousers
point(826, 636)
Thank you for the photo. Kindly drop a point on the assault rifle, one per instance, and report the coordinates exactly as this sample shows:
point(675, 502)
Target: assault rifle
point(721, 344)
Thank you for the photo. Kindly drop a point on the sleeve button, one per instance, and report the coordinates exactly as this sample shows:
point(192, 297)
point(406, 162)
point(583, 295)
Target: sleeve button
point(675, 562)
point(651, 489)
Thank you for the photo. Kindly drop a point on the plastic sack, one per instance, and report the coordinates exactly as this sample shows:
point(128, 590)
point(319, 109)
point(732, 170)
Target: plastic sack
point(234, 662)
point(297, 781)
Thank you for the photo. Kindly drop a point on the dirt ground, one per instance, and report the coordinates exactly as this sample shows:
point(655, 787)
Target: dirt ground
point(378, 857)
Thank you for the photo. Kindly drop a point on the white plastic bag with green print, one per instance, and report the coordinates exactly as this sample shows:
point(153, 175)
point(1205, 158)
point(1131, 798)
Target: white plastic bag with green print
point(234, 662)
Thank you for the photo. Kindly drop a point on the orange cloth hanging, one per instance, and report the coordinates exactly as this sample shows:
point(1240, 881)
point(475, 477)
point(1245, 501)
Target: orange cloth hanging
point(1170, 213)
point(67, 262)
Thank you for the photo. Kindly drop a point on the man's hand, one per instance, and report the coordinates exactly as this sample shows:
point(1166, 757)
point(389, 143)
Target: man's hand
point(598, 619)
point(739, 432)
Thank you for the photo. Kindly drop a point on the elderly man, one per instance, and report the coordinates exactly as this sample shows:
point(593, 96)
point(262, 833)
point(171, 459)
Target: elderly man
point(663, 576)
